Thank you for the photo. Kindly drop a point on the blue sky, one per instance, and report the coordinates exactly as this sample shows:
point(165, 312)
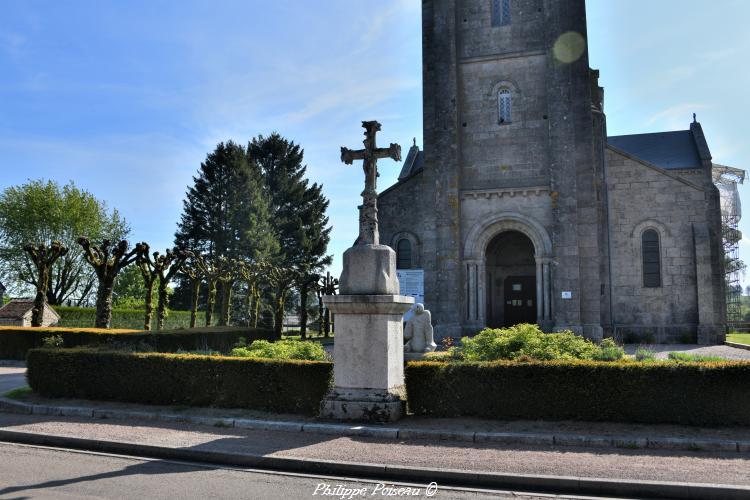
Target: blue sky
point(126, 98)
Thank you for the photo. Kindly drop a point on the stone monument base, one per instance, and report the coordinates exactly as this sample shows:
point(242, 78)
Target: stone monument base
point(363, 405)
point(368, 368)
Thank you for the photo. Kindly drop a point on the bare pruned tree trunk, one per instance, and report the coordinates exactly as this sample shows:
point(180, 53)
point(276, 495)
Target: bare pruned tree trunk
point(107, 262)
point(44, 258)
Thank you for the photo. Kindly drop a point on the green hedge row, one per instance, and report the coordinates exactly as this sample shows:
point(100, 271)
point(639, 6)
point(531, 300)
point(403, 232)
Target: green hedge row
point(679, 393)
point(16, 341)
point(177, 379)
point(84, 317)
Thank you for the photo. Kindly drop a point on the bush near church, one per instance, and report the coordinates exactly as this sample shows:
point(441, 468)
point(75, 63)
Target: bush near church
point(673, 392)
point(16, 341)
point(282, 386)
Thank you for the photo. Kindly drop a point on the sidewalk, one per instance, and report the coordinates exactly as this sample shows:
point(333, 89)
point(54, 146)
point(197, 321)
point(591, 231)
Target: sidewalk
point(538, 456)
point(636, 473)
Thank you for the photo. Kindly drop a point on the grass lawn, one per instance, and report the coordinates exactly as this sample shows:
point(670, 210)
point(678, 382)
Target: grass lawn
point(739, 338)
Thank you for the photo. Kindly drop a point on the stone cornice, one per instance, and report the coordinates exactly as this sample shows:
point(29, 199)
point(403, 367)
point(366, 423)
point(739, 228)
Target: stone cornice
point(510, 192)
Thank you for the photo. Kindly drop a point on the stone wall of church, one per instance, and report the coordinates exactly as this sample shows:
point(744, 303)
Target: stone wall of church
point(642, 197)
point(401, 211)
point(497, 154)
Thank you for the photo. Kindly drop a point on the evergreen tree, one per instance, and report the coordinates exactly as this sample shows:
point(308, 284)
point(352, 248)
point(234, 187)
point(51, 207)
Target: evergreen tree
point(297, 207)
point(225, 214)
point(226, 210)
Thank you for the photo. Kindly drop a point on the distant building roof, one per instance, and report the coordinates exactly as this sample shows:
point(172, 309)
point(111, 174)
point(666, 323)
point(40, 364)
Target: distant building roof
point(668, 150)
point(17, 308)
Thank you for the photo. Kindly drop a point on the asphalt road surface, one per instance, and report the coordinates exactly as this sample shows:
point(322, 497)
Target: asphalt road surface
point(11, 378)
point(49, 473)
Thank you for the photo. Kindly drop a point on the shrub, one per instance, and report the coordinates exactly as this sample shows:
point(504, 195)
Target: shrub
point(680, 393)
point(282, 349)
point(609, 351)
point(16, 341)
point(179, 379)
point(693, 358)
point(526, 340)
point(644, 354)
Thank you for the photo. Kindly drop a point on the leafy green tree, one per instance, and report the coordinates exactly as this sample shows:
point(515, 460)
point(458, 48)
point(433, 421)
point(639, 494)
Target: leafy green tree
point(130, 289)
point(41, 212)
point(298, 209)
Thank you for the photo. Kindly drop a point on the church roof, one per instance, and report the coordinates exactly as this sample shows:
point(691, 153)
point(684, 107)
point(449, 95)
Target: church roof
point(413, 163)
point(667, 150)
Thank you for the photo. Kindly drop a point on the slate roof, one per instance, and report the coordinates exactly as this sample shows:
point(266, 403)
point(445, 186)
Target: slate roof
point(667, 150)
point(16, 308)
point(413, 163)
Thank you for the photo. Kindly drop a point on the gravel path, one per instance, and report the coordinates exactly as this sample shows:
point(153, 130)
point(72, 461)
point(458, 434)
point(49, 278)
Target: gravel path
point(662, 350)
point(689, 466)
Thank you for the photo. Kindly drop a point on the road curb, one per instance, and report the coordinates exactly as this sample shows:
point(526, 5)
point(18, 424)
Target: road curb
point(736, 345)
point(419, 475)
point(501, 438)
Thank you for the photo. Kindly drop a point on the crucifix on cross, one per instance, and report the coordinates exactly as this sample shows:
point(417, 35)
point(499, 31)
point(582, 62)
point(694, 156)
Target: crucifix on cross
point(368, 211)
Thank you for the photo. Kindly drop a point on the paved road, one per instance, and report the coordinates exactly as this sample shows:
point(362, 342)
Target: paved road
point(31, 472)
point(11, 378)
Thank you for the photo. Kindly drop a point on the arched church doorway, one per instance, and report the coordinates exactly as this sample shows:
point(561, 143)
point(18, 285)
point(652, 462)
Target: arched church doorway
point(511, 280)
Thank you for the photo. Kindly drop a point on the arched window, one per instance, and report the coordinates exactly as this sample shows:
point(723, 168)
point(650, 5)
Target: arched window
point(500, 12)
point(504, 106)
point(651, 259)
point(403, 254)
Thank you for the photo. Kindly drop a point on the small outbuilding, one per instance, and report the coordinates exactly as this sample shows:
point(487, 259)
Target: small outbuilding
point(18, 312)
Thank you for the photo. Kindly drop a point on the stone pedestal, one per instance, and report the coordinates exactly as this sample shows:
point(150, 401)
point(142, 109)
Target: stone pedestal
point(368, 368)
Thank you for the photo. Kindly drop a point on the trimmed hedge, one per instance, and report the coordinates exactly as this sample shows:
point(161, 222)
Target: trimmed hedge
point(281, 386)
point(678, 393)
point(16, 341)
point(132, 319)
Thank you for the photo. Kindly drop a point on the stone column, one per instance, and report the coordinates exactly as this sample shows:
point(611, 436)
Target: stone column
point(368, 368)
point(547, 291)
point(539, 288)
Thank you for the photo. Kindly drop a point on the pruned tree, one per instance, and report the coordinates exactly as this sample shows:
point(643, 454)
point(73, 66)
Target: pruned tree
point(306, 282)
point(328, 285)
point(250, 273)
point(193, 269)
point(107, 261)
point(212, 269)
point(228, 276)
point(44, 258)
point(167, 266)
point(164, 267)
point(150, 275)
point(281, 279)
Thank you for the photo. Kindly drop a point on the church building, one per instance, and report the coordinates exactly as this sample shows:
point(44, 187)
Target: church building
point(520, 208)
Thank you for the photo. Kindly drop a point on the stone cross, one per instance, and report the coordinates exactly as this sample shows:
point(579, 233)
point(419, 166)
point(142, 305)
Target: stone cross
point(368, 211)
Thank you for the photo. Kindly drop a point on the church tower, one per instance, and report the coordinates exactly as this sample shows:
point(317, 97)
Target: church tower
point(509, 195)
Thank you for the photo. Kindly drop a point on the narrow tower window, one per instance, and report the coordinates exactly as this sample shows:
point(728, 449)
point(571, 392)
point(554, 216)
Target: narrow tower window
point(504, 106)
point(500, 12)
point(403, 254)
point(651, 259)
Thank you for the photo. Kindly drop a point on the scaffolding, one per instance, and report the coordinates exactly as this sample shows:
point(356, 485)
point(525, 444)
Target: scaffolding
point(726, 179)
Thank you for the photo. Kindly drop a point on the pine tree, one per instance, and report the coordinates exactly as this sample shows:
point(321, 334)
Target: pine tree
point(226, 211)
point(298, 210)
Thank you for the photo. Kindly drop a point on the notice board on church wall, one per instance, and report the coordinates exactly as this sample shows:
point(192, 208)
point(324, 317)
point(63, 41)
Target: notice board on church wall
point(412, 285)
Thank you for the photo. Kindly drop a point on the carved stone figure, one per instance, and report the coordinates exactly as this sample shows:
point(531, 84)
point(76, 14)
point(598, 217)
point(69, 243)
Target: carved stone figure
point(418, 331)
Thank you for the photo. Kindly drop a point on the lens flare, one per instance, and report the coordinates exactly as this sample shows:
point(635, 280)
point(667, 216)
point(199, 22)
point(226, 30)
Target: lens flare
point(569, 47)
